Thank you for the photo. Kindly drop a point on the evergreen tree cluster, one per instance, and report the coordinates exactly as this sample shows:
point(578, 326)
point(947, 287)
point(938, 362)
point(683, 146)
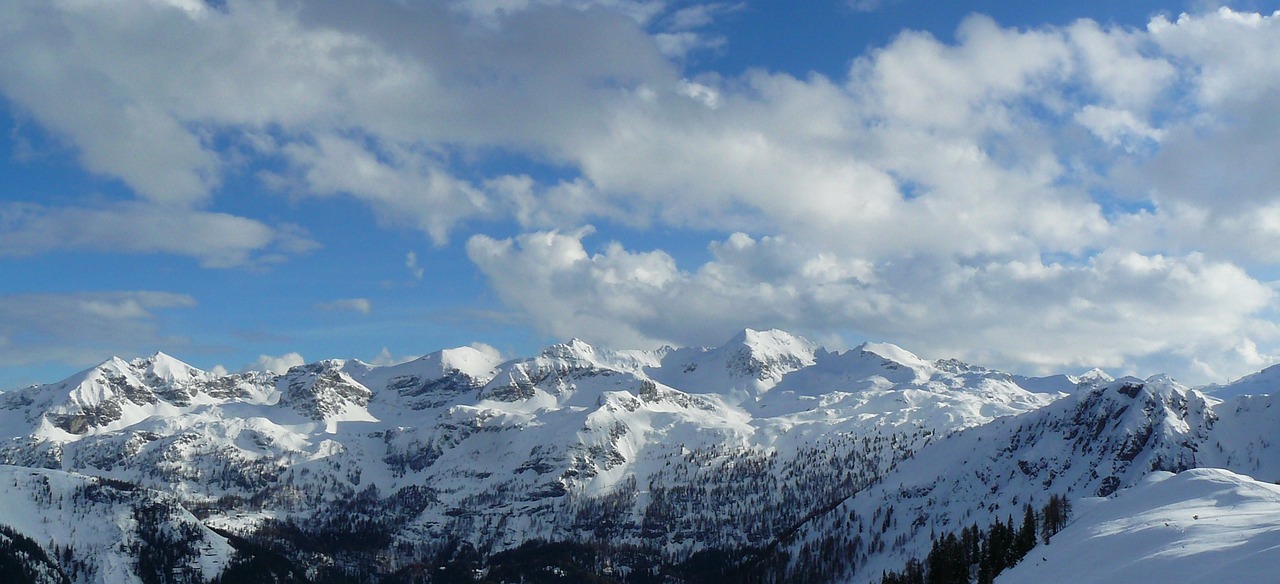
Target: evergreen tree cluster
point(977, 555)
point(23, 561)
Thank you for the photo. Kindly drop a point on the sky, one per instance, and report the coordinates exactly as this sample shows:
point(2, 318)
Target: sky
point(1038, 187)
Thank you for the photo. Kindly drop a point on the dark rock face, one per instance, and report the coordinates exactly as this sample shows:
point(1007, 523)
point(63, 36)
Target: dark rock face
point(322, 390)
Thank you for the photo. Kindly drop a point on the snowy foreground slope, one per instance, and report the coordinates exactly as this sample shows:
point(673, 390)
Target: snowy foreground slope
point(1201, 526)
point(1089, 444)
point(767, 458)
point(96, 530)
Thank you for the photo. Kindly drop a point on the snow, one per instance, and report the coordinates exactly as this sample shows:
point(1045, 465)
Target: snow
point(1050, 384)
point(1095, 376)
point(1243, 439)
point(744, 368)
point(532, 437)
point(1261, 383)
point(894, 353)
point(1086, 444)
point(168, 369)
point(54, 507)
point(468, 361)
point(1200, 526)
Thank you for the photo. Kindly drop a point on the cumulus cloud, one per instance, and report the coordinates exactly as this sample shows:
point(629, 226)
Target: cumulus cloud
point(407, 190)
point(384, 103)
point(84, 328)
point(1117, 309)
point(278, 365)
point(365, 101)
point(1008, 190)
point(1118, 128)
point(358, 305)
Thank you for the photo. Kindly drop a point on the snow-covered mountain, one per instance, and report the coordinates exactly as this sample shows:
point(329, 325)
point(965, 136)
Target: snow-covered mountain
point(653, 460)
point(95, 530)
point(1261, 383)
point(1090, 444)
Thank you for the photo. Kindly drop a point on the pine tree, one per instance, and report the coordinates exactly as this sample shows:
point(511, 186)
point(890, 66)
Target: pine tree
point(1027, 534)
point(1056, 513)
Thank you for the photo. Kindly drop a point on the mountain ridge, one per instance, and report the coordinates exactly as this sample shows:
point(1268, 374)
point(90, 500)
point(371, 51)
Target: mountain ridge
point(674, 454)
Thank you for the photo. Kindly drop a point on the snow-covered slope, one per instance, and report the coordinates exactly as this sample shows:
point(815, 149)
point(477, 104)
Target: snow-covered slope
point(428, 381)
point(750, 364)
point(1202, 526)
point(1244, 438)
point(1264, 382)
point(1089, 444)
point(103, 531)
point(1063, 383)
point(884, 387)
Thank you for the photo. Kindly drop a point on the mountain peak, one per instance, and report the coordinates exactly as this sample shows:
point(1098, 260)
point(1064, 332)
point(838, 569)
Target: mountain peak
point(1095, 373)
point(893, 353)
point(113, 365)
point(1093, 378)
point(767, 339)
point(771, 342)
point(468, 360)
point(166, 367)
point(652, 443)
point(771, 345)
point(574, 349)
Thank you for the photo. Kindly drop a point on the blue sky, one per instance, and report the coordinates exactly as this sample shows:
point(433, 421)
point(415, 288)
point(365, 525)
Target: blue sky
point(1032, 186)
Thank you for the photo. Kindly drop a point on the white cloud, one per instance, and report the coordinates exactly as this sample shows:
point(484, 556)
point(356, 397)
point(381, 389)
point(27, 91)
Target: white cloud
point(869, 5)
point(356, 107)
point(678, 44)
point(1118, 128)
point(216, 240)
point(679, 33)
point(1119, 310)
point(278, 365)
point(85, 328)
point(415, 269)
point(914, 197)
point(920, 131)
point(384, 358)
point(641, 11)
point(360, 305)
point(487, 349)
point(407, 189)
point(1231, 52)
point(1122, 66)
point(700, 15)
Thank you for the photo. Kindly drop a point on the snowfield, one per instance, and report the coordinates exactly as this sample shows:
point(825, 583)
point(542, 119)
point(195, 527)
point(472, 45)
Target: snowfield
point(1201, 526)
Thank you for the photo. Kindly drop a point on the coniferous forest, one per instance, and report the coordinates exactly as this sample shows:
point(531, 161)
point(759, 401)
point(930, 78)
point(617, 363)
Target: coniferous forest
point(981, 555)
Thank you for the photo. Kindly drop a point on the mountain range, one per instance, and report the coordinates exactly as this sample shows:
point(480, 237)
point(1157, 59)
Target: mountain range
point(768, 458)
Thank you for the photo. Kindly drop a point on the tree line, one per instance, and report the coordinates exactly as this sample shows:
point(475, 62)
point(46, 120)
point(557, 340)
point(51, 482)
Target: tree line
point(984, 554)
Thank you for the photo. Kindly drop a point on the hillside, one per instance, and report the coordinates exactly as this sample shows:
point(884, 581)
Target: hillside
point(1199, 526)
